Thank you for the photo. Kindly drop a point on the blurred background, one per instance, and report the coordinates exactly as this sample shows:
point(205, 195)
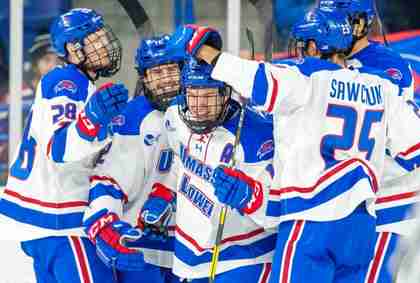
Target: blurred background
point(269, 20)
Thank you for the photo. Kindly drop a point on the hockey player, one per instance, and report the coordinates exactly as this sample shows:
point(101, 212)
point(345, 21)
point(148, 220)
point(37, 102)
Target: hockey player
point(120, 191)
point(398, 191)
point(47, 188)
point(201, 128)
point(397, 194)
point(331, 126)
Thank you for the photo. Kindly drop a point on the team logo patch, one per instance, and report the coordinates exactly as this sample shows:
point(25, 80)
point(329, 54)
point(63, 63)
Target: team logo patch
point(150, 139)
point(394, 73)
point(66, 85)
point(118, 120)
point(266, 148)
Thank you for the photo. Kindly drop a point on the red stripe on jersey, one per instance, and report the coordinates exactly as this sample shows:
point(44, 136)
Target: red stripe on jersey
point(81, 259)
point(378, 258)
point(234, 238)
point(410, 150)
point(111, 180)
point(266, 273)
point(325, 177)
point(290, 249)
point(44, 203)
point(396, 197)
point(273, 94)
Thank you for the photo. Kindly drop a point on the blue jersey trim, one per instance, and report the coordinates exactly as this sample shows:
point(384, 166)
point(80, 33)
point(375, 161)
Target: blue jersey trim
point(101, 190)
point(299, 204)
point(234, 252)
point(65, 81)
point(58, 144)
point(41, 219)
point(132, 117)
point(394, 214)
point(257, 147)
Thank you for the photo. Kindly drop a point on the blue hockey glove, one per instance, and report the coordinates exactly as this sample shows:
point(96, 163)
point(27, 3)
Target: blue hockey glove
point(106, 103)
point(237, 190)
point(109, 235)
point(186, 40)
point(156, 213)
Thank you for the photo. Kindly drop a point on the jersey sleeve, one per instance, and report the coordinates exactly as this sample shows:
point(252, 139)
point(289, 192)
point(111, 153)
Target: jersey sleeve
point(56, 114)
point(404, 133)
point(267, 86)
point(117, 177)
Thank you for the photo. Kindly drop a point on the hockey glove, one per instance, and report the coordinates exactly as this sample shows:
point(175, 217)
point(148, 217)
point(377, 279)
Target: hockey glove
point(237, 190)
point(106, 103)
point(156, 213)
point(186, 40)
point(109, 235)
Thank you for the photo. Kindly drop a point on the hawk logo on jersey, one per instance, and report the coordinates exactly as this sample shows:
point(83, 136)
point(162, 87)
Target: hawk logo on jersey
point(394, 73)
point(66, 85)
point(266, 148)
point(150, 139)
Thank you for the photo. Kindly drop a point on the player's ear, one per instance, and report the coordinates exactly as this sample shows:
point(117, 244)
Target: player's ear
point(359, 27)
point(74, 54)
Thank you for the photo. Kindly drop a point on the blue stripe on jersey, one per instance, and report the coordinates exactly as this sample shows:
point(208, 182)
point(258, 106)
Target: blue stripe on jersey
point(65, 81)
point(135, 112)
point(408, 164)
point(41, 219)
point(394, 214)
point(298, 204)
point(144, 242)
point(260, 89)
point(101, 190)
point(58, 144)
point(256, 147)
point(234, 252)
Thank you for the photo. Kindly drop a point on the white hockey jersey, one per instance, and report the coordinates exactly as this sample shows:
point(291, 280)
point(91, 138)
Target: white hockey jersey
point(46, 192)
point(331, 128)
point(398, 193)
point(196, 157)
point(124, 176)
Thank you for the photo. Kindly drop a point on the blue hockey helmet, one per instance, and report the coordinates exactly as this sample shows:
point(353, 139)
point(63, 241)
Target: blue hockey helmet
point(329, 29)
point(153, 52)
point(100, 50)
point(158, 70)
point(355, 8)
point(203, 101)
point(73, 27)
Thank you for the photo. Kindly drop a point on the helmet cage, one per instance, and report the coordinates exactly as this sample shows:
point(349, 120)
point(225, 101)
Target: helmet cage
point(216, 112)
point(160, 85)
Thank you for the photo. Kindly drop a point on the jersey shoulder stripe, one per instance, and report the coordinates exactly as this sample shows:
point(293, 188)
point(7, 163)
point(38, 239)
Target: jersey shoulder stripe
point(129, 122)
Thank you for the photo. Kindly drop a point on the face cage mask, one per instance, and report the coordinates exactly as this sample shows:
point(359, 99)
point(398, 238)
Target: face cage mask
point(158, 89)
point(205, 126)
point(101, 53)
point(297, 48)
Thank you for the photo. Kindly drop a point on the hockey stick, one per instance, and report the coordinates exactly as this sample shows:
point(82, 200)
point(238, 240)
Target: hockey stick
point(138, 17)
point(232, 164)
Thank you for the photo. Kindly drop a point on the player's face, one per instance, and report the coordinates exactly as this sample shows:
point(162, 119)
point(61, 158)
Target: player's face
point(205, 103)
point(163, 80)
point(95, 48)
